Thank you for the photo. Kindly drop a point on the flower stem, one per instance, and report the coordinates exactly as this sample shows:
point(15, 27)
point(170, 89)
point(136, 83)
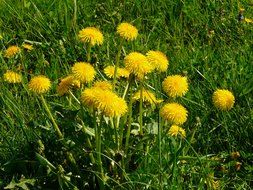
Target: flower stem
point(160, 147)
point(117, 64)
point(88, 52)
point(141, 108)
point(98, 150)
point(56, 128)
point(129, 115)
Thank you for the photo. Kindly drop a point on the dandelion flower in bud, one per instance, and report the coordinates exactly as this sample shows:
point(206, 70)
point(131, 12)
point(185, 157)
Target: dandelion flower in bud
point(127, 31)
point(12, 77)
point(176, 130)
point(105, 101)
point(174, 113)
point(11, 51)
point(121, 72)
point(104, 85)
point(223, 99)
point(137, 64)
point(91, 35)
point(175, 85)
point(39, 84)
point(84, 72)
point(158, 60)
point(147, 96)
point(67, 84)
point(28, 47)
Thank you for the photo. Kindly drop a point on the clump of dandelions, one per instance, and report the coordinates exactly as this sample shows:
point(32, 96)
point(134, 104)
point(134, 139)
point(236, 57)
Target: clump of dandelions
point(12, 77)
point(91, 35)
point(84, 72)
point(104, 101)
point(158, 60)
point(175, 86)
point(223, 99)
point(11, 51)
point(39, 84)
point(127, 31)
point(174, 113)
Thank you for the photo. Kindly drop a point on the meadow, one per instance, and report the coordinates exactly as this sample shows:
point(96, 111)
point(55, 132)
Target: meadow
point(126, 94)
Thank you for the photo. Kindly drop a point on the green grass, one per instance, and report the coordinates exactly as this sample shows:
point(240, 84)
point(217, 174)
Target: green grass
point(182, 30)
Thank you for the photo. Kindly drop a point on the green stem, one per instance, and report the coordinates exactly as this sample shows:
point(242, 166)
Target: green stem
point(88, 52)
point(117, 64)
point(98, 134)
point(56, 128)
point(129, 115)
point(141, 108)
point(160, 147)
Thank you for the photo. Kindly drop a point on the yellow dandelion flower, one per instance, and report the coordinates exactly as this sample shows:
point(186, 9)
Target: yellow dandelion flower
point(248, 20)
point(91, 35)
point(28, 47)
point(223, 99)
point(84, 72)
point(104, 85)
point(39, 84)
point(123, 72)
point(12, 77)
point(67, 84)
point(174, 113)
point(137, 64)
point(105, 101)
point(127, 31)
point(109, 72)
point(11, 51)
point(158, 60)
point(175, 85)
point(176, 130)
point(147, 96)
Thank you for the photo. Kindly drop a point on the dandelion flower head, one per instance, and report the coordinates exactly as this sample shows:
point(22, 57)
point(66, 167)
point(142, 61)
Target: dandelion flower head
point(223, 99)
point(67, 84)
point(174, 113)
point(158, 60)
point(175, 85)
point(147, 96)
point(11, 51)
point(104, 85)
point(39, 84)
point(84, 72)
point(127, 31)
point(137, 64)
point(91, 35)
point(121, 72)
point(12, 77)
point(176, 130)
point(104, 101)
